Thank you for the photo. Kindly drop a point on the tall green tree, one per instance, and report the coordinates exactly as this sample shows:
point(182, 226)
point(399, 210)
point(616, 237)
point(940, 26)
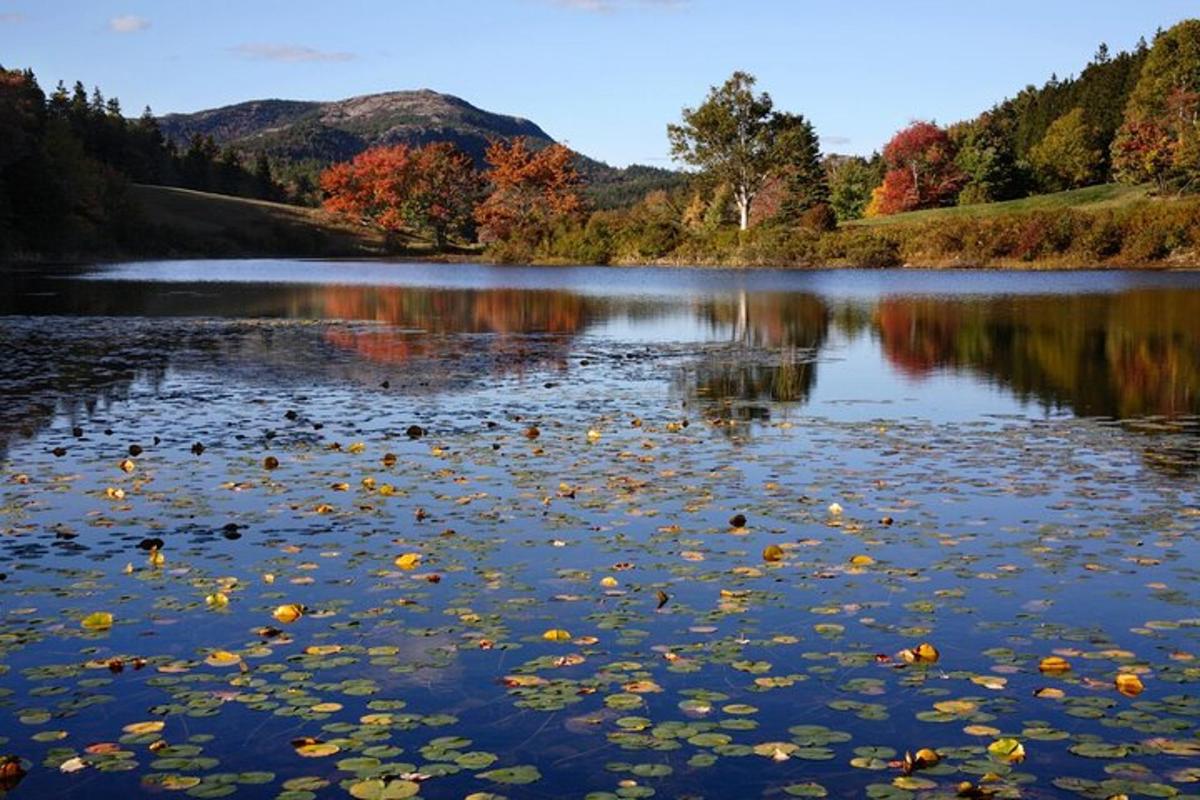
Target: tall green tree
point(987, 157)
point(851, 181)
point(1068, 157)
point(737, 138)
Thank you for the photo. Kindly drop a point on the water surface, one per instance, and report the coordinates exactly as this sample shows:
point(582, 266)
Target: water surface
point(1002, 465)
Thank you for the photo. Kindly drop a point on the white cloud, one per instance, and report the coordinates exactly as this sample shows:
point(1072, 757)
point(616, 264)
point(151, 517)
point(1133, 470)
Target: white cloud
point(128, 23)
point(288, 53)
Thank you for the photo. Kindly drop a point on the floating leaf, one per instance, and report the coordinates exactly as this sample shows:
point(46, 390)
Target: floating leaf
point(222, 658)
point(378, 789)
point(98, 621)
point(1009, 751)
point(1054, 665)
point(288, 613)
point(517, 776)
point(317, 750)
point(1129, 684)
point(409, 561)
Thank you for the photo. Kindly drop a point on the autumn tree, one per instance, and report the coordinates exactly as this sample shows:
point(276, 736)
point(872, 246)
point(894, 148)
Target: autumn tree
point(531, 193)
point(1160, 138)
point(921, 171)
point(432, 189)
point(448, 188)
point(373, 186)
point(736, 137)
point(1068, 157)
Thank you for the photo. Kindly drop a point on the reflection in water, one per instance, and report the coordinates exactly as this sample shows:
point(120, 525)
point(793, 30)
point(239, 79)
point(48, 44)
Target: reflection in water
point(1125, 354)
point(777, 338)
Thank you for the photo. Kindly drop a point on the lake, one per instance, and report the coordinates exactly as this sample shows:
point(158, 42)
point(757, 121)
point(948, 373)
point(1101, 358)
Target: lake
point(283, 529)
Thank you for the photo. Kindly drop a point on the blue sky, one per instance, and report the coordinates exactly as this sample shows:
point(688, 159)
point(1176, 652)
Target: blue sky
point(605, 76)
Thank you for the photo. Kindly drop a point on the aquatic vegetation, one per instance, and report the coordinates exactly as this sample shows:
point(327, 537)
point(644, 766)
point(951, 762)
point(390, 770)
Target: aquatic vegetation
point(812, 602)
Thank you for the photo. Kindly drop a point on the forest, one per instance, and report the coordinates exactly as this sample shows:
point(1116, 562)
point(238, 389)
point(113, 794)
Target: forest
point(755, 188)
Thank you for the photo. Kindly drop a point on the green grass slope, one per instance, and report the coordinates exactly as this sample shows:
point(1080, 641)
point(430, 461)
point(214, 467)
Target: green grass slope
point(1092, 198)
point(186, 222)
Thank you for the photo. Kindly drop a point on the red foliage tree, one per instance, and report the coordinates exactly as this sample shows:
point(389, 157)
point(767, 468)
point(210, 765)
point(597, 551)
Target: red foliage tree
point(531, 192)
point(921, 172)
point(432, 189)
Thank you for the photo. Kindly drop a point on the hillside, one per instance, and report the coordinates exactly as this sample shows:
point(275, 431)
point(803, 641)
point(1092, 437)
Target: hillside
point(186, 222)
point(1092, 198)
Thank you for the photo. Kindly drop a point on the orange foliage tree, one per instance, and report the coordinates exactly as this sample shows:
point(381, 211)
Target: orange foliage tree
point(532, 193)
point(433, 189)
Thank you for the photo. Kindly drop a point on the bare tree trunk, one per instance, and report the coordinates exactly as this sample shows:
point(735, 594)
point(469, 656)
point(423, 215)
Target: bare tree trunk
point(743, 204)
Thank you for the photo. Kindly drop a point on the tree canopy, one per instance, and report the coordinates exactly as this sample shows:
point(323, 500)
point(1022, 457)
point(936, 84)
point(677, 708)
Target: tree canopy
point(737, 138)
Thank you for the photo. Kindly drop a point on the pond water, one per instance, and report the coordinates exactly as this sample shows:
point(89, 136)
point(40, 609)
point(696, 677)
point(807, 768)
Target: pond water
point(449, 531)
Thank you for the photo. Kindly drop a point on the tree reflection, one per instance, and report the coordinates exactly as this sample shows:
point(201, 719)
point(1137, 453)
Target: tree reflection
point(1122, 355)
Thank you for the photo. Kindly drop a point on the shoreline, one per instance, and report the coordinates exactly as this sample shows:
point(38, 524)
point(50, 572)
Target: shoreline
point(948, 265)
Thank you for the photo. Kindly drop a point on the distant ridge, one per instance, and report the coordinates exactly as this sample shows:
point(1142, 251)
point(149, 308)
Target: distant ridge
point(298, 130)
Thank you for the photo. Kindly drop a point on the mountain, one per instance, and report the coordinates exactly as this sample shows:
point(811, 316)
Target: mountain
point(308, 135)
point(296, 130)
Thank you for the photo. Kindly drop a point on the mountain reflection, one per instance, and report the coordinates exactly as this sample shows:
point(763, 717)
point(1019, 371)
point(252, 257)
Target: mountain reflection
point(1124, 355)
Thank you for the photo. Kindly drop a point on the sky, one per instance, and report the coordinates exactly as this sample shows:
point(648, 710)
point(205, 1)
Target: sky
point(603, 76)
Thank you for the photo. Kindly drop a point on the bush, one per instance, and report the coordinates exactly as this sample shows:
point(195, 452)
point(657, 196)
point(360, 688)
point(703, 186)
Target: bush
point(820, 218)
point(860, 248)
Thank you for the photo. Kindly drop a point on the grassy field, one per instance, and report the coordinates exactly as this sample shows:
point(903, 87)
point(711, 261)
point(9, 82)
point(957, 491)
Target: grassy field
point(186, 222)
point(1110, 195)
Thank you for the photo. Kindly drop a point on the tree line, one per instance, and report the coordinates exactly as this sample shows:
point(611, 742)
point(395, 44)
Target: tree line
point(758, 186)
point(66, 160)
point(1132, 117)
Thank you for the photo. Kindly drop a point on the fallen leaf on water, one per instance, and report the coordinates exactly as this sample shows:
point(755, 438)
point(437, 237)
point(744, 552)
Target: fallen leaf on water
point(923, 653)
point(1129, 685)
point(72, 765)
point(99, 621)
point(772, 553)
point(1054, 665)
point(222, 658)
point(323, 649)
point(408, 561)
point(317, 750)
point(556, 635)
point(140, 728)
point(288, 613)
point(217, 600)
point(1010, 751)
point(326, 708)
